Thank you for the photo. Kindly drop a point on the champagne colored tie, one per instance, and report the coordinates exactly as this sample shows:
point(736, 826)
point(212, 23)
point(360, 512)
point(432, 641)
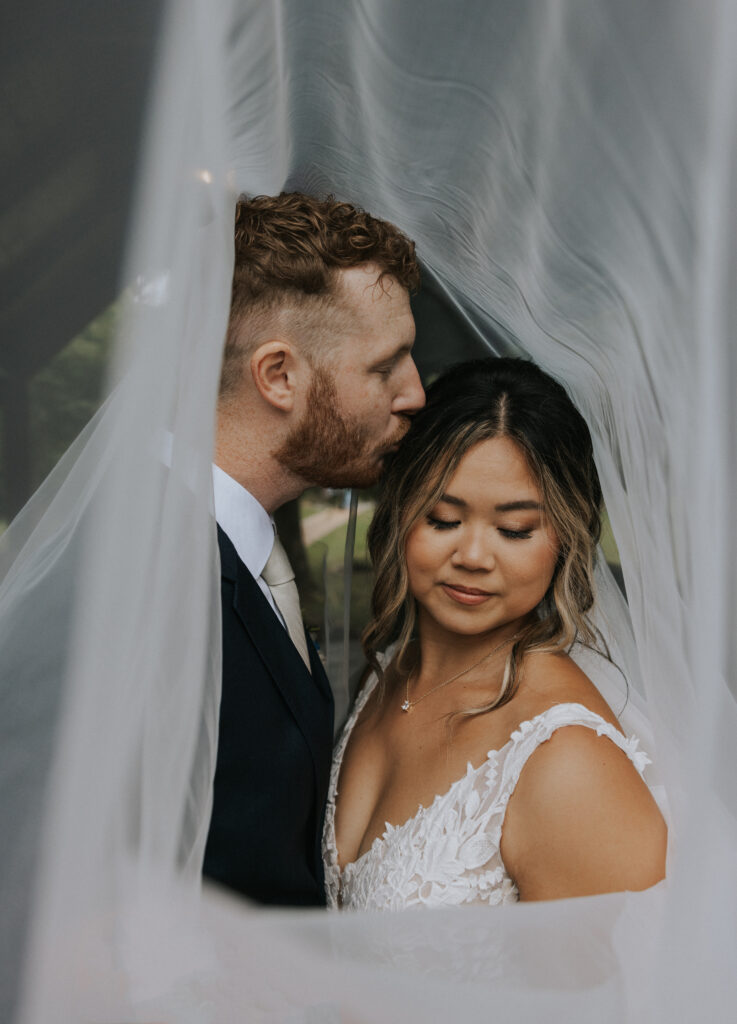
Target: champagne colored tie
point(279, 577)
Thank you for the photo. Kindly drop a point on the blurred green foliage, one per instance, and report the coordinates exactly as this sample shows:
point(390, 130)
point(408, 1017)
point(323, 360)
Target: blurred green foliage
point(608, 543)
point(67, 392)
point(61, 399)
point(325, 558)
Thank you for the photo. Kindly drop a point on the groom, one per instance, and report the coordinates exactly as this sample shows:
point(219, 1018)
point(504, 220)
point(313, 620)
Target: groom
point(317, 386)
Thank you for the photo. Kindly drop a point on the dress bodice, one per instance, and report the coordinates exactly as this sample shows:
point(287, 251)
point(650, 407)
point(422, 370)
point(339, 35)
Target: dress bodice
point(448, 854)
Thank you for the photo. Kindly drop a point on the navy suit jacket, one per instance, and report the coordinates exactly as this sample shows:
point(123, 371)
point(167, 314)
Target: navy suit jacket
point(274, 752)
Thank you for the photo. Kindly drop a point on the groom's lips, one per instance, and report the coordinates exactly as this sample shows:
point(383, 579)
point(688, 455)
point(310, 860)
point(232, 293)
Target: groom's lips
point(466, 595)
point(394, 440)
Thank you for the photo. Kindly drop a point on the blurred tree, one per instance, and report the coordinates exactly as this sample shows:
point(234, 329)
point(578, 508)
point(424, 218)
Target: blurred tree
point(57, 403)
point(68, 392)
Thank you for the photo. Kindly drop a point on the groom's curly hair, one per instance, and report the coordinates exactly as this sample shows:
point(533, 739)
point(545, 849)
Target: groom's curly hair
point(289, 250)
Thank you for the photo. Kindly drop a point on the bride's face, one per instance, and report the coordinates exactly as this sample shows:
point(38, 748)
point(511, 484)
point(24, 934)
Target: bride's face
point(484, 556)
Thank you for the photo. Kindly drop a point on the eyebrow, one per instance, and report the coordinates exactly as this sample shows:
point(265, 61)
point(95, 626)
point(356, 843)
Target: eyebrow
point(506, 506)
point(519, 506)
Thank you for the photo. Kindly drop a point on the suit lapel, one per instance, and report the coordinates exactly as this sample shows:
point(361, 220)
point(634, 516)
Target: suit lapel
point(309, 698)
point(319, 676)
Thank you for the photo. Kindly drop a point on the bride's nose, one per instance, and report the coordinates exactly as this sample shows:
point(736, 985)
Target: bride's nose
point(473, 550)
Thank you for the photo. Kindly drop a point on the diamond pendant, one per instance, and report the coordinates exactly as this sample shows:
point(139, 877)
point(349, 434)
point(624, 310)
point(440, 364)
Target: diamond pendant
point(406, 705)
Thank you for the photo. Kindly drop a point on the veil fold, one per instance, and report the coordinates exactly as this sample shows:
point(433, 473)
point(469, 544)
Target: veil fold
point(567, 171)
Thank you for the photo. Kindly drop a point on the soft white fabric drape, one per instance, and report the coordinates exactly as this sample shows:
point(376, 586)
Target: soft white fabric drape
point(567, 169)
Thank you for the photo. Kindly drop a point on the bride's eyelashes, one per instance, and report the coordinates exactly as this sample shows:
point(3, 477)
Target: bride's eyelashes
point(442, 524)
point(451, 524)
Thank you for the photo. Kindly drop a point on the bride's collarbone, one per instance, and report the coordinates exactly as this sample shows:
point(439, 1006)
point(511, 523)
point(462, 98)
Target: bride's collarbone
point(398, 761)
point(435, 739)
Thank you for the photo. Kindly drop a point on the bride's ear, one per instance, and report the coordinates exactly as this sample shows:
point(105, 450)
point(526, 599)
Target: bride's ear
point(276, 369)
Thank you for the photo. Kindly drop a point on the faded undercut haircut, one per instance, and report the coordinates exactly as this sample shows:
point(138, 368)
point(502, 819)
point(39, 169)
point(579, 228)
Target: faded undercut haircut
point(289, 250)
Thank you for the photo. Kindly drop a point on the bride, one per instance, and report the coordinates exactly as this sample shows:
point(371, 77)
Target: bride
point(480, 764)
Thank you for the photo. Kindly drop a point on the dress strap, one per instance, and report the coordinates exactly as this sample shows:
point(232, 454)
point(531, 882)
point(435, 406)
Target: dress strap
point(532, 733)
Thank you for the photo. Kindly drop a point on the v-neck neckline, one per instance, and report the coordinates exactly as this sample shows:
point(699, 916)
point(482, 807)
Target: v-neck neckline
point(380, 840)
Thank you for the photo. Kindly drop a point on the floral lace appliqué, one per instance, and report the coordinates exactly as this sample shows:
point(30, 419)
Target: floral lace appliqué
point(448, 853)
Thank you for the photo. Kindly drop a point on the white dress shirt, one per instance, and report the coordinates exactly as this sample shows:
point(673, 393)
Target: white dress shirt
point(248, 526)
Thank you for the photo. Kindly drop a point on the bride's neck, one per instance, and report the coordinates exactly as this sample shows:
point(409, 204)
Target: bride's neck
point(442, 653)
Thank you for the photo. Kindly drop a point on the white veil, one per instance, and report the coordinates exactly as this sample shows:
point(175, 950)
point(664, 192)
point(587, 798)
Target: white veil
point(567, 171)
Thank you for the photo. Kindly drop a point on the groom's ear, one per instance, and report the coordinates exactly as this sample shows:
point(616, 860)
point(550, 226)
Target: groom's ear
point(276, 369)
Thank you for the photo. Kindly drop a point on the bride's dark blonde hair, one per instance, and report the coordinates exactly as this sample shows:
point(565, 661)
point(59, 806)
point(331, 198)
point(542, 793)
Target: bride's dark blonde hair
point(470, 403)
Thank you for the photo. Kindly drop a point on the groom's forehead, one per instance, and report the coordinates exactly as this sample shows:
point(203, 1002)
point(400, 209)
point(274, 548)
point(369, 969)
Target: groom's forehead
point(372, 300)
point(367, 286)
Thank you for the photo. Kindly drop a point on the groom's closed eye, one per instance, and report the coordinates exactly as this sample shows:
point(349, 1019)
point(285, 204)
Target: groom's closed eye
point(386, 366)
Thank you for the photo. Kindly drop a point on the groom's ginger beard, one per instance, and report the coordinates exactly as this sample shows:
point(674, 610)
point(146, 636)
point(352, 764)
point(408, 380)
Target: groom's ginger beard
point(329, 449)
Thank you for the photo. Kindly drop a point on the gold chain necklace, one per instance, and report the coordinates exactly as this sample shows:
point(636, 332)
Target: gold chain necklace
point(408, 704)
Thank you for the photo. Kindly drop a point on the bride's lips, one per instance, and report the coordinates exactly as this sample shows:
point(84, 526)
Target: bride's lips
point(465, 595)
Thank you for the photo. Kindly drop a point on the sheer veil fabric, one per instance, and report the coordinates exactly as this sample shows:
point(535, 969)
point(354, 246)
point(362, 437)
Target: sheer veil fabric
point(567, 171)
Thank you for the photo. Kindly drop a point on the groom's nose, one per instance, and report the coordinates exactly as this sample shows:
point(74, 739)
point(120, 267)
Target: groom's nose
point(410, 395)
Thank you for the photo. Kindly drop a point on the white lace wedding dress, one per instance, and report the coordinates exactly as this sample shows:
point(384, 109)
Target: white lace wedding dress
point(448, 854)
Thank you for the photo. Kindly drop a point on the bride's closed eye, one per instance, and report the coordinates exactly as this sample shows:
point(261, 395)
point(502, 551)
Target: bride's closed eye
point(442, 524)
point(515, 534)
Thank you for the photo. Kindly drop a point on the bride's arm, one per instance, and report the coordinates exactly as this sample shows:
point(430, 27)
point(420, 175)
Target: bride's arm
point(582, 821)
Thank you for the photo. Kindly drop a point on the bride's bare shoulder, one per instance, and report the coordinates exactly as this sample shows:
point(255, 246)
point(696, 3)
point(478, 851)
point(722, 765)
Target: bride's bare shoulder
point(581, 819)
point(549, 679)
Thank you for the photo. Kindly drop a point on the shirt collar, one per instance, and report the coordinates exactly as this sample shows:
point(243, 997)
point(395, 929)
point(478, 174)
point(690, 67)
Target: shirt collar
point(244, 520)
